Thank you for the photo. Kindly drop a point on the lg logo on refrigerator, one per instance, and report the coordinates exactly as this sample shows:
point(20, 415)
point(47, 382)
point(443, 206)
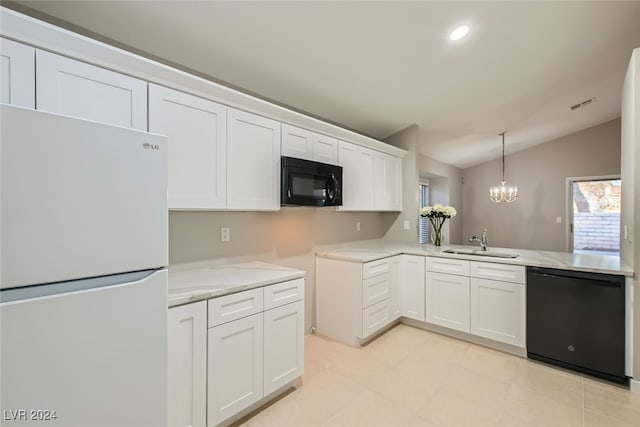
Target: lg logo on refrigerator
point(148, 146)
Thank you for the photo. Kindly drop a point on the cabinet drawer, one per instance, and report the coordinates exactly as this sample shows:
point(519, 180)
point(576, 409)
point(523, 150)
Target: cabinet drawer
point(283, 293)
point(502, 272)
point(375, 268)
point(375, 289)
point(236, 306)
point(375, 318)
point(449, 266)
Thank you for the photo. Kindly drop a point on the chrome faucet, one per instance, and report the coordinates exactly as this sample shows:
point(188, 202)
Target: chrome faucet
point(483, 241)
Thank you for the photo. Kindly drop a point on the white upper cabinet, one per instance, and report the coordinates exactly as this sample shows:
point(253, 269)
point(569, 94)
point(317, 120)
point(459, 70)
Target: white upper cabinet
point(304, 144)
point(77, 89)
point(357, 176)
point(17, 74)
point(393, 188)
point(371, 180)
point(253, 162)
point(197, 132)
point(325, 149)
point(387, 182)
point(297, 142)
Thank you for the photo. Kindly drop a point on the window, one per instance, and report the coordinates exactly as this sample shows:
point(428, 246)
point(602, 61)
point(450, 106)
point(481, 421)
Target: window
point(595, 215)
point(423, 223)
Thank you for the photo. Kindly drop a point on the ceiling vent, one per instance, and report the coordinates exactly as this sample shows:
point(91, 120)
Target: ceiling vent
point(582, 104)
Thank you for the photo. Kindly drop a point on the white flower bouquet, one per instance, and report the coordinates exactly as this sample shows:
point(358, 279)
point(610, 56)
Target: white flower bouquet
point(437, 215)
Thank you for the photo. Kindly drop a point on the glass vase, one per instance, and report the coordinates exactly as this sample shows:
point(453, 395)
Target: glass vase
point(436, 238)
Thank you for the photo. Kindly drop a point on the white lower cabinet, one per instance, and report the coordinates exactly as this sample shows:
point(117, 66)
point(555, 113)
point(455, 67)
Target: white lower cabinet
point(375, 317)
point(255, 347)
point(482, 298)
point(498, 307)
point(412, 287)
point(354, 299)
point(235, 372)
point(395, 296)
point(283, 345)
point(447, 300)
point(187, 365)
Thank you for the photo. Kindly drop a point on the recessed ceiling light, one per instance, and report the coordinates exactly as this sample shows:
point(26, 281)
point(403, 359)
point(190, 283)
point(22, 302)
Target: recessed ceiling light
point(459, 32)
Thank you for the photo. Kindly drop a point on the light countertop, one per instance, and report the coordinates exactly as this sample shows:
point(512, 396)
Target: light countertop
point(372, 251)
point(189, 283)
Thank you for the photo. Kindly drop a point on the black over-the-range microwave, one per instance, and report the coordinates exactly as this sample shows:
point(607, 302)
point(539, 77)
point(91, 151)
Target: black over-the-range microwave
point(308, 183)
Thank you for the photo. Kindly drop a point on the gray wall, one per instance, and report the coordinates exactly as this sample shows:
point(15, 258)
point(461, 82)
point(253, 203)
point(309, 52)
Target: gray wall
point(445, 182)
point(540, 173)
point(406, 139)
point(289, 237)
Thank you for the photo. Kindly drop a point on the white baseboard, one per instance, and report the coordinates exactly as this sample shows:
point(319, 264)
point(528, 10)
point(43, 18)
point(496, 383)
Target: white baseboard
point(634, 386)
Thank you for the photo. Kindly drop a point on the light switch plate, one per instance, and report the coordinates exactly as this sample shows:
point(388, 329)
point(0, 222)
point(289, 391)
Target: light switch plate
point(357, 225)
point(406, 224)
point(558, 220)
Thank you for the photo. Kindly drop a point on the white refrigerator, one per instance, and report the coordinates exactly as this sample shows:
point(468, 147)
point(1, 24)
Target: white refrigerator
point(83, 255)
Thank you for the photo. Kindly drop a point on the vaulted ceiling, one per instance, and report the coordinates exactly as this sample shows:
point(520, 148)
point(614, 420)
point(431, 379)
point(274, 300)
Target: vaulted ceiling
point(378, 67)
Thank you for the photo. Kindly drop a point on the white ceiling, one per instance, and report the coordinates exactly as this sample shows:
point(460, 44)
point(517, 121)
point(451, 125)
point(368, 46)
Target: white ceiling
point(378, 67)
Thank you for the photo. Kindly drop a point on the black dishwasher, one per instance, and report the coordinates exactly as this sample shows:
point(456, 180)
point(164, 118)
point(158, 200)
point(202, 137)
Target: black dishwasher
point(577, 320)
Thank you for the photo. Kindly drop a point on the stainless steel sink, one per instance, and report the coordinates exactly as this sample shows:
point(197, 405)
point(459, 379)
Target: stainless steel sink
point(478, 252)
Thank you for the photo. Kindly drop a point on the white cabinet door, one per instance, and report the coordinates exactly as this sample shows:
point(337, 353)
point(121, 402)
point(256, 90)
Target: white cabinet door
point(412, 287)
point(387, 182)
point(187, 365)
point(235, 370)
point(297, 142)
point(17, 74)
point(357, 177)
point(283, 345)
point(253, 162)
point(380, 195)
point(77, 89)
point(308, 145)
point(325, 149)
point(447, 300)
point(393, 182)
point(498, 310)
point(395, 305)
point(197, 132)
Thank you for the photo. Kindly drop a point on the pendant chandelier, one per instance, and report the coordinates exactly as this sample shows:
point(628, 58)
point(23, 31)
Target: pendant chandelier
point(503, 192)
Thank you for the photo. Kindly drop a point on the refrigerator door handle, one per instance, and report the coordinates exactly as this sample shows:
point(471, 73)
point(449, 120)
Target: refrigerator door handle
point(38, 291)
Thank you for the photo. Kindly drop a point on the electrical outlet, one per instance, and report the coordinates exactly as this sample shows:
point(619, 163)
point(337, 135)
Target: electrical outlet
point(225, 234)
point(406, 225)
point(357, 225)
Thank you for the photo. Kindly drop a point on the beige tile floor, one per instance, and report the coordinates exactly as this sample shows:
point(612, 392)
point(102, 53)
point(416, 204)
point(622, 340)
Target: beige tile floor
point(412, 377)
